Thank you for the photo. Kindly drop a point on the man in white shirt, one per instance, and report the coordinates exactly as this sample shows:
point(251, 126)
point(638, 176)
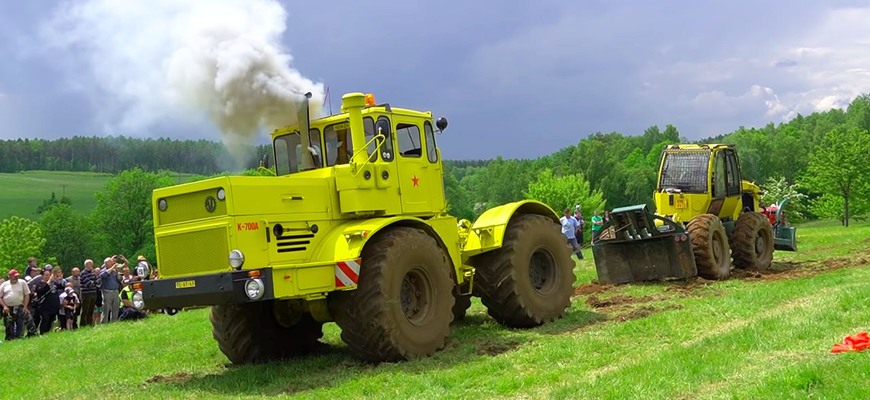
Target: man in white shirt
point(569, 227)
point(14, 298)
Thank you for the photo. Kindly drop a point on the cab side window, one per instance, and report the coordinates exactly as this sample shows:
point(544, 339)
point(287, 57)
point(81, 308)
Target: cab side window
point(338, 144)
point(409, 140)
point(733, 173)
point(383, 127)
point(431, 152)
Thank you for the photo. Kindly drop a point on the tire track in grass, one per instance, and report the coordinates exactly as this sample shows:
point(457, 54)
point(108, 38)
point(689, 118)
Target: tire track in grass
point(637, 358)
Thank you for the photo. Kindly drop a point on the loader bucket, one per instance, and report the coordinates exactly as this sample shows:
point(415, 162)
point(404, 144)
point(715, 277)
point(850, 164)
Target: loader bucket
point(633, 247)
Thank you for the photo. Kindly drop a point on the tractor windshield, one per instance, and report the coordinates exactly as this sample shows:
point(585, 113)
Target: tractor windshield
point(294, 153)
point(686, 171)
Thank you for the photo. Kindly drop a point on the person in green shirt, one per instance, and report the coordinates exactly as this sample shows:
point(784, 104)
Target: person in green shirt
point(597, 221)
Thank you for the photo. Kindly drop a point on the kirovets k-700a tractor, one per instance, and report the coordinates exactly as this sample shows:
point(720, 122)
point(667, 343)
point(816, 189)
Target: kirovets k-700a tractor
point(352, 229)
point(706, 215)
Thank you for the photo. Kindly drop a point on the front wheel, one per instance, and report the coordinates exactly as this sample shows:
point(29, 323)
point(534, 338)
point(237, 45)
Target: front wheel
point(529, 280)
point(249, 333)
point(710, 246)
point(402, 308)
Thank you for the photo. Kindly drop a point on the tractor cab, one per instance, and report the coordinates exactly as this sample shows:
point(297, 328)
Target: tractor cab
point(384, 160)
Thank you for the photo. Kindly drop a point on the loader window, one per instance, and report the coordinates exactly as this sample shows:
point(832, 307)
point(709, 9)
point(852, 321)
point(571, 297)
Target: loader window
point(290, 157)
point(719, 176)
point(733, 177)
point(337, 140)
point(383, 126)
point(685, 171)
point(409, 140)
point(430, 142)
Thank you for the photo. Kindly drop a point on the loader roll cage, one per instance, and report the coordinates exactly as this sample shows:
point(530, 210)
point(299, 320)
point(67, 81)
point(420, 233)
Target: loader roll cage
point(685, 171)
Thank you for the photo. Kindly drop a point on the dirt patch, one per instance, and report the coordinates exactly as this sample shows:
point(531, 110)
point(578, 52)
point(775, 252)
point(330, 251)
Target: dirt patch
point(494, 348)
point(178, 377)
point(794, 270)
point(643, 312)
point(591, 288)
point(595, 302)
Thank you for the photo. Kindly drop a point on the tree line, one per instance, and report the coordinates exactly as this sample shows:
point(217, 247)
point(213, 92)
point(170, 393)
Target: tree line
point(817, 161)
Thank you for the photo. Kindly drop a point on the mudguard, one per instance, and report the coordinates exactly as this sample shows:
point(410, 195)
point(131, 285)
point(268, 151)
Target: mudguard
point(346, 241)
point(487, 232)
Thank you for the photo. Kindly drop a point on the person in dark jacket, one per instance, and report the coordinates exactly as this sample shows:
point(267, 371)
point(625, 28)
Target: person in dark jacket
point(89, 282)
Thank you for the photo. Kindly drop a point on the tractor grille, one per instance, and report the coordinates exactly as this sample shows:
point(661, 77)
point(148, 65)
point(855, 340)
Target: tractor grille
point(686, 171)
point(193, 253)
point(293, 243)
point(191, 206)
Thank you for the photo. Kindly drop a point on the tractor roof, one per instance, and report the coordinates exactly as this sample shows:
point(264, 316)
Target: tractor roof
point(696, 147)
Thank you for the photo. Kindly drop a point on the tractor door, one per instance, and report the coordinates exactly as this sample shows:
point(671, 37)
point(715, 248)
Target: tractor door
point(415, 170)
point(727, 193)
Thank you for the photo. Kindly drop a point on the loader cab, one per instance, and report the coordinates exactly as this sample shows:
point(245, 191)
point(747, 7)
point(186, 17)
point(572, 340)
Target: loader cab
point(697, 179)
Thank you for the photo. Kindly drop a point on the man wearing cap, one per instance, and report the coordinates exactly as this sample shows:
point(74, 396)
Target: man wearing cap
point(143, 270)
point(14, 297)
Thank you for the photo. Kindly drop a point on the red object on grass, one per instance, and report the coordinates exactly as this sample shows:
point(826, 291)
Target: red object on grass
point(857, 342)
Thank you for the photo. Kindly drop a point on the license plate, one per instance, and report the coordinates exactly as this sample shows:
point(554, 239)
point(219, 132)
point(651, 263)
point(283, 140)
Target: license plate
point(680, 203)
point(185, 284)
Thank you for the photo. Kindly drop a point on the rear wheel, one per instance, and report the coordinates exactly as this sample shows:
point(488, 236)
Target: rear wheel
point(250, 333)
point(710, 246)
point(529, 280)
point(752, 242)
point(461, 306)
point(402, 308)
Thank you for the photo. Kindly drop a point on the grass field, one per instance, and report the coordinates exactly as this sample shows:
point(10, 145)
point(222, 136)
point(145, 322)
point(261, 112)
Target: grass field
point(23, 192)
point(754, 336)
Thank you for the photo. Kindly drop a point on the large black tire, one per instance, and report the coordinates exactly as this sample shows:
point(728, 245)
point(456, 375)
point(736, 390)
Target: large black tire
point(752, 242)
point(529, 280)
point(710, 246)
point(249, 333)
point(402, 308)
point(461, 306)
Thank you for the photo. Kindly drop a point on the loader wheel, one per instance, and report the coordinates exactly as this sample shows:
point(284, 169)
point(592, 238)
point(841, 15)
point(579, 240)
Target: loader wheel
point(752, 245)
point(249, 333)
point(402, 308)
point(461, 306)
point(710, 245)
point(528, 281)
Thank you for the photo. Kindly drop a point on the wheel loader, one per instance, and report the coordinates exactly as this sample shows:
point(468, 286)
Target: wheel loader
point(352, 228)
point(707, 218)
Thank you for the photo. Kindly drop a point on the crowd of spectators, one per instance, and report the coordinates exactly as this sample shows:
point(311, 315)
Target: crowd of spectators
point(45, 299)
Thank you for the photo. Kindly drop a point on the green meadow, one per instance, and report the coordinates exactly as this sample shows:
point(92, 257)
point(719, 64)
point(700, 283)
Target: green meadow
point(757, 335)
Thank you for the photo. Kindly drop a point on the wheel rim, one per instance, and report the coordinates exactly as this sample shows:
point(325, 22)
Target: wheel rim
point(416, 296)
point(542, 271)
point(759, 243)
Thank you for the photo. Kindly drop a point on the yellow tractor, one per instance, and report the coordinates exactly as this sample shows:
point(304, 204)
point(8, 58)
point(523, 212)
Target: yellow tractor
point(352, 228)
point(706, 215)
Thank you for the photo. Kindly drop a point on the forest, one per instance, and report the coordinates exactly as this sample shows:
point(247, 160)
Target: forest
point(817, 161)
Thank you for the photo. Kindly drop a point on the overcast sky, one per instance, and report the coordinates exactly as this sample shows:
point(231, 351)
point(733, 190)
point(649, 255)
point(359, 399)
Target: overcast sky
point(521, 79)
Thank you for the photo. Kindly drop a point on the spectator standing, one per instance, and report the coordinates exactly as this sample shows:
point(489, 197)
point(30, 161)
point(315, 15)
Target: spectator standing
point(14, 298)
point(143, 270)
point(32, 263)
point(597, 222)
point(110, 286)
point(68, 305)
point(88, 282)
point(47, 295)
point(581, 221)
point(569, 227)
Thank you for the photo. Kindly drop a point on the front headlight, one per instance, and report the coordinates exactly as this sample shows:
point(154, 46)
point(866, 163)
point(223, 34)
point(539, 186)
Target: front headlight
point(221, 194)
point(255, 288)
point(237, 259)
point(138, 300)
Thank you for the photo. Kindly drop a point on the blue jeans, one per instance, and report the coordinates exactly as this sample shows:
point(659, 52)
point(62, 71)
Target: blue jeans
point(575, 247)
point(14, 322)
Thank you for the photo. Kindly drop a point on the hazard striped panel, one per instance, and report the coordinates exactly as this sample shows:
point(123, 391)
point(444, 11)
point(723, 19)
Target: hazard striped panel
point(347, 273)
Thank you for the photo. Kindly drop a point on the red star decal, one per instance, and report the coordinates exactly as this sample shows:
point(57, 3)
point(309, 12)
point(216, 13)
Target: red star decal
point(415, 180)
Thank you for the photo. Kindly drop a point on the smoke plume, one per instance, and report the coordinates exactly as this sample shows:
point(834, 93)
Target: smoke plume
point(163, 60)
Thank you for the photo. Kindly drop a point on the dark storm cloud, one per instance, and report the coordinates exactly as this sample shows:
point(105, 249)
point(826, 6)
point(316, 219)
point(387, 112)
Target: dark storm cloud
point(524, 78)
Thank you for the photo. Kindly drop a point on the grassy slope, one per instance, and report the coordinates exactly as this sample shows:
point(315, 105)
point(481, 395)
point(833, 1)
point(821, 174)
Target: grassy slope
point(23, 192)
point(757, 336)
